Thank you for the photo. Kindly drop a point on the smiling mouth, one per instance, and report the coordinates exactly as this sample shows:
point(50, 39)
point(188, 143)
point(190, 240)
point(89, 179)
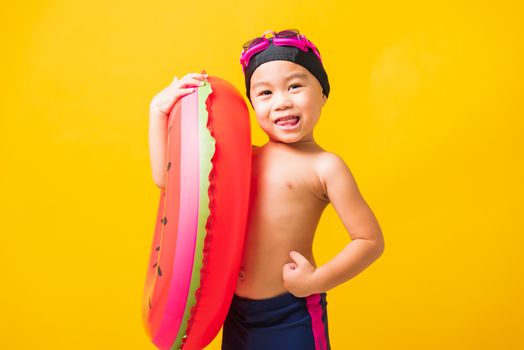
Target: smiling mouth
point(287, 121)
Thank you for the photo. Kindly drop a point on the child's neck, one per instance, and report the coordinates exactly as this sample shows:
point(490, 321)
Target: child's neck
point(303, 144)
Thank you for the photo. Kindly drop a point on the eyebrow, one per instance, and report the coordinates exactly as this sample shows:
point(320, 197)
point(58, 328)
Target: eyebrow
point(289, 77)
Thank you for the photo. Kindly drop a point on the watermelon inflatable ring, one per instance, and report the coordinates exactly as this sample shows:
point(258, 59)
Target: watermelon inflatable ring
point(201, 221)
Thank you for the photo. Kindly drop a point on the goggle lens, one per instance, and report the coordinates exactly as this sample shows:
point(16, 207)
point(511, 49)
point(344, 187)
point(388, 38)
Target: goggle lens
point(252, 42)
point(287, 33)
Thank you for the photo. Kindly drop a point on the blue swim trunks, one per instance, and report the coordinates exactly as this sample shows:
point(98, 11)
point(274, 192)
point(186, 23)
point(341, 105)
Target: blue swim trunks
point(282, 322)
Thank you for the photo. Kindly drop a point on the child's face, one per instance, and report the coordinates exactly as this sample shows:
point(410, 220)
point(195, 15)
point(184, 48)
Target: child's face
point(282, 88)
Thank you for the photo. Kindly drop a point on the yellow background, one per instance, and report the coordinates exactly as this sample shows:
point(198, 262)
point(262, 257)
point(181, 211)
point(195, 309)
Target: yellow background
point(426, 107)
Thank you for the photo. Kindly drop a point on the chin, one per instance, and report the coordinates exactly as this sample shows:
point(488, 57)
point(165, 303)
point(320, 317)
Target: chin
point(288, 139)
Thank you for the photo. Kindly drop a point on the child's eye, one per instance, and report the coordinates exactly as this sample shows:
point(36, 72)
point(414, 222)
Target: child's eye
point(294, 86)
point(265, 93)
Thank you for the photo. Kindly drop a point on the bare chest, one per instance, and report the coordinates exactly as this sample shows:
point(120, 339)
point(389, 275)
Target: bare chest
point(286, 183)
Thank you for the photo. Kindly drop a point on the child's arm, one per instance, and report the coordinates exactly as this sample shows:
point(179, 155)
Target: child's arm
point(159, 110)
point(367, 242)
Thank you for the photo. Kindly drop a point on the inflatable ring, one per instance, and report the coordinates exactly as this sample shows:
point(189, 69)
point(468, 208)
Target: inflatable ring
point(201, 219)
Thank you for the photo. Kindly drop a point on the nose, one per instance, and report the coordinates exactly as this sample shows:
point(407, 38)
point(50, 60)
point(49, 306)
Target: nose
point(282, 101)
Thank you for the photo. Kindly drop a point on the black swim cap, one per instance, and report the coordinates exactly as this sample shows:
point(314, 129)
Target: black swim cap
point(293, 54)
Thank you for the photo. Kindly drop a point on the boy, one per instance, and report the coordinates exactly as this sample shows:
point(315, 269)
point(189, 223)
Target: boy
point(280, 298)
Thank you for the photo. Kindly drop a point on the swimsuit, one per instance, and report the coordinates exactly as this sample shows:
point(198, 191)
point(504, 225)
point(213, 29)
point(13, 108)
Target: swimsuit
point(282, 322)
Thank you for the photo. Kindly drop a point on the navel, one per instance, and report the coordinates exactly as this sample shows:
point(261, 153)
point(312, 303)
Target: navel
point(241, 275)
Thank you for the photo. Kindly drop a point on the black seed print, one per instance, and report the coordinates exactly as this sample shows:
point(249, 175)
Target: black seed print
point(159, 271)
point(149, 303)
point(164, 220)
point(168, 166)
point(154, 265)
point(157, 248)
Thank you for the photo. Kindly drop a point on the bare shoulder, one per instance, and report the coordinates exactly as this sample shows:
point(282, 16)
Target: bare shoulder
point(344, 194)
point(329, 164)
point(335, 175)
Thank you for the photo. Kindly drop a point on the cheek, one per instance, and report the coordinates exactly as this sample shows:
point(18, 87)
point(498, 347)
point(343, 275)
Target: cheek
point(313, 108)
point(261, 111)
point(306, 104)
point(315, 102)
point(305, 101)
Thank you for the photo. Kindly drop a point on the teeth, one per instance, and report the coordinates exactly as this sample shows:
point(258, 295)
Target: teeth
point(285, 118)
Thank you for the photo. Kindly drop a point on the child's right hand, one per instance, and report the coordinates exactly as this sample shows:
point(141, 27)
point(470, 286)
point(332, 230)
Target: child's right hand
point(164, 101)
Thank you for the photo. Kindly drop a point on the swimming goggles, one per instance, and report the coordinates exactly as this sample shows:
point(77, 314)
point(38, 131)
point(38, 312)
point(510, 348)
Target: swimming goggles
point(288, 37)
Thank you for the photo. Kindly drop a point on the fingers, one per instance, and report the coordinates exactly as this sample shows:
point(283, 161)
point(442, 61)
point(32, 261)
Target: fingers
point(197, 76)
point(189, 80)
point(290, 266)
point(190, 83)
point(178, 88)
point(185, 85)
point(298, 258)
point(186, 91)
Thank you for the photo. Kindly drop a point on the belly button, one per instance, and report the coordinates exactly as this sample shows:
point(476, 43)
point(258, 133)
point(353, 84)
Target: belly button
point(241, 274)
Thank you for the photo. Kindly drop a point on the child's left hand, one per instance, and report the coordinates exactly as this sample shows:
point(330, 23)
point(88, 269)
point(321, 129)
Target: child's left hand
point(299, 276)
